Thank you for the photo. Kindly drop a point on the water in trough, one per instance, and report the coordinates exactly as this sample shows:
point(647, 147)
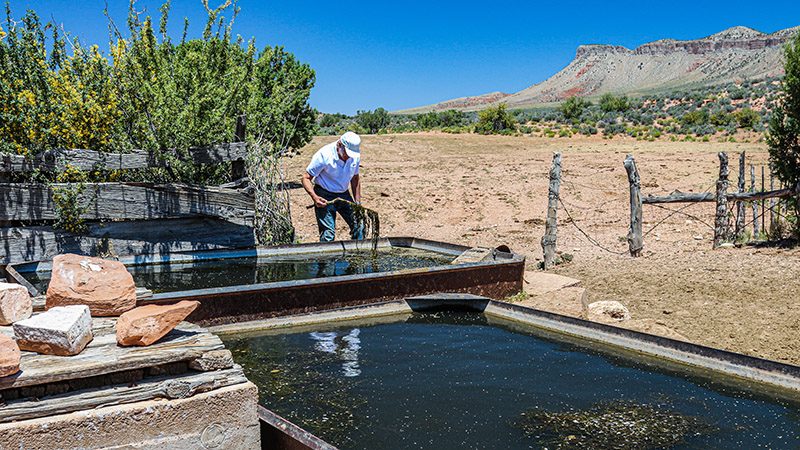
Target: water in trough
point(455, 380)
point(203, 274)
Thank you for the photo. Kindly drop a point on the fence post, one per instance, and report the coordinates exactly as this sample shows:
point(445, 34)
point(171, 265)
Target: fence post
point(763, 205)
point(772, 227)
point(721, 225)
point(549, 238)
point(740, 204)
point(754, 204)
point(238, 169)
point(635, 238)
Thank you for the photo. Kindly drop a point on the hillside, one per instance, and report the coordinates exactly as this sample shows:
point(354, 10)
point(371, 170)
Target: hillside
point(733, 55)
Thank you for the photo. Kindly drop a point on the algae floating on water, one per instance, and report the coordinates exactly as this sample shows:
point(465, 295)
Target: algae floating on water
point(613, 425)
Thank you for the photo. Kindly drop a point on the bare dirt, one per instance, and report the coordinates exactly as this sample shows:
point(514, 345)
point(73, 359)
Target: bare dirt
point(491, 190)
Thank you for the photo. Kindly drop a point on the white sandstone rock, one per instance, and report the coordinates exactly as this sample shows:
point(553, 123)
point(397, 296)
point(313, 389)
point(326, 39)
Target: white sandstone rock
point(608, 310)
point(63, 331)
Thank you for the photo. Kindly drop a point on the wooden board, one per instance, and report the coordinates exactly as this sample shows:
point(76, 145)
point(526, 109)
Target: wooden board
point(128, 201)
point(144, 238)
point(102, 355)
point(473, 255)
point(57, 160)
point(169, 387)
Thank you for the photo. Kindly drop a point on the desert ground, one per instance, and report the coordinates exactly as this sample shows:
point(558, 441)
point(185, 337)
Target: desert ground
point(491, 190)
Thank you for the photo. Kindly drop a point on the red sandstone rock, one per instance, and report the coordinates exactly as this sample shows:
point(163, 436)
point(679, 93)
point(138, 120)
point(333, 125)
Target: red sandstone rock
point(9, 356)
point(15, 303)
point(147, 324)
point(106, 287)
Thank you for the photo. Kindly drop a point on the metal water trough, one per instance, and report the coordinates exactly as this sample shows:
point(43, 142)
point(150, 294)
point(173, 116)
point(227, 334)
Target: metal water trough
point(724, 367)
point(498, 275)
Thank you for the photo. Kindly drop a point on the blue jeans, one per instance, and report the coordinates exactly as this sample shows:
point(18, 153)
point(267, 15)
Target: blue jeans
point(326, 216)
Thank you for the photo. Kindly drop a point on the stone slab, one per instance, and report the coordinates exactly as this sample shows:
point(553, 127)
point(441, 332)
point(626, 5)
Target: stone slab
point(568, 301)
point(224, 418)
point(15, 303)
point(539, 283)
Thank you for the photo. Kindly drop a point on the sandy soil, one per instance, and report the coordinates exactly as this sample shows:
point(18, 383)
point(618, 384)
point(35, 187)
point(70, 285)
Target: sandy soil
point(492, 190)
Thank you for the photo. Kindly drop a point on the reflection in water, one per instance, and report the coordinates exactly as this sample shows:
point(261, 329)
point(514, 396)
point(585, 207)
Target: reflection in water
point(172, 277)
point(346, 349)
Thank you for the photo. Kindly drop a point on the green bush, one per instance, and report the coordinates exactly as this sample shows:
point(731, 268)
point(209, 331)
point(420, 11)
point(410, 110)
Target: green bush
point(495, 120)
point(573, 107)
point(783, 137)
point(373, 121)
point(610, 102)
point(747, 118)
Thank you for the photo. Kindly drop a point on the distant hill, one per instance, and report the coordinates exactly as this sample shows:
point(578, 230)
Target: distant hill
point(733, 55)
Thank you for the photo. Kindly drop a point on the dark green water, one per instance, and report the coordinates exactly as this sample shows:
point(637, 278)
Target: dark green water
point(452, 381)
point(238, 271)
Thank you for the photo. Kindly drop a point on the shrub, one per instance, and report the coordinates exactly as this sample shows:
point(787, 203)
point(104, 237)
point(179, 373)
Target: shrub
point(784, 127)
point(573, 107)
point(747, 118)
point(610, 102)
point(495, 120)
point(373, 121)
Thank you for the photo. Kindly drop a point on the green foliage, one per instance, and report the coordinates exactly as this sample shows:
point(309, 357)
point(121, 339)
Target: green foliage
point(373, 121)
point(611, 103)
point(495, 120)
point(784, 127)
point(331, 120)
point(747, 118)
point(152, 94)
point(573, 107)
point(697, 117)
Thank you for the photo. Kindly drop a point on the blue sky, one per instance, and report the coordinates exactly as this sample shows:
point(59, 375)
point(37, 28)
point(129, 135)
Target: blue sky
point(403, 54)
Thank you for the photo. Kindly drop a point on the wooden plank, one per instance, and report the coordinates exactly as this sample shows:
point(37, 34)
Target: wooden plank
point(551, 223)
point(721, 225)
point(145, 238)
point(682, 197)
point(128, 201)
point(167, 387)
point(635, 237)
point(102, 355)
point(473, 255)
point(82, 159)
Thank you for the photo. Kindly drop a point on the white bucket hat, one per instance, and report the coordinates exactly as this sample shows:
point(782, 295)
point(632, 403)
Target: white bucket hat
point(352, 144)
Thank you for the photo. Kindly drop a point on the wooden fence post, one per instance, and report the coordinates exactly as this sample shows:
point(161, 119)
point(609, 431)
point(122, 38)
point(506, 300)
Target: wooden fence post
point(772, 227)
point(721, 225)
point(238, 169)
point(635, 238)
point(549, 238)
point(763, 204)
point(740, 204)
point(754, 204)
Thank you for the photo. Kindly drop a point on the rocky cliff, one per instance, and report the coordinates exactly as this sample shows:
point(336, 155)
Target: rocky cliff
point(732, 55)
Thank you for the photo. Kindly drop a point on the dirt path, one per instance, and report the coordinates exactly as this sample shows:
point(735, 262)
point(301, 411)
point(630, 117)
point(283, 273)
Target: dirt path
point(491, 190)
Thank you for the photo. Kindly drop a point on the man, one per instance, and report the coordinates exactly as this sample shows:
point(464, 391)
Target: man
point(334, 169)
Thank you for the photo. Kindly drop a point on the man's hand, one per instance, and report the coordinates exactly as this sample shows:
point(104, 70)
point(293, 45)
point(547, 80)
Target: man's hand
point(320, 202)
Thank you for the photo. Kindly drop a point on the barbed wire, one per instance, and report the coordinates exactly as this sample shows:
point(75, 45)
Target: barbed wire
point(591, 240)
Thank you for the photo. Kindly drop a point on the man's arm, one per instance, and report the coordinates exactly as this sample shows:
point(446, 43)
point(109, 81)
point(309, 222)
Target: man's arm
point(308, 185)
point(355, 185)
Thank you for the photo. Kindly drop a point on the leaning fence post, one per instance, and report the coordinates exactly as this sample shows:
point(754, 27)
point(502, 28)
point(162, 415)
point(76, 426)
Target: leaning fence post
point(740, 204)
point(635, 238)
point(549, 238)
point(721, 222)
point(754, 203)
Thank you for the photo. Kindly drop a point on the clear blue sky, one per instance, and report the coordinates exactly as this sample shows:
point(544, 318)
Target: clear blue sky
point(404, 54)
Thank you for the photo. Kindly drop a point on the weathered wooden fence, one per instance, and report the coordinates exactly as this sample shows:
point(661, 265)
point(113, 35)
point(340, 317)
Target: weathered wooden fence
point(123, 218)
point(723, 231)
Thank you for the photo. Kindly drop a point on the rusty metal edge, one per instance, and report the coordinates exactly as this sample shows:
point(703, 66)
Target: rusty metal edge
point(290, 436)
